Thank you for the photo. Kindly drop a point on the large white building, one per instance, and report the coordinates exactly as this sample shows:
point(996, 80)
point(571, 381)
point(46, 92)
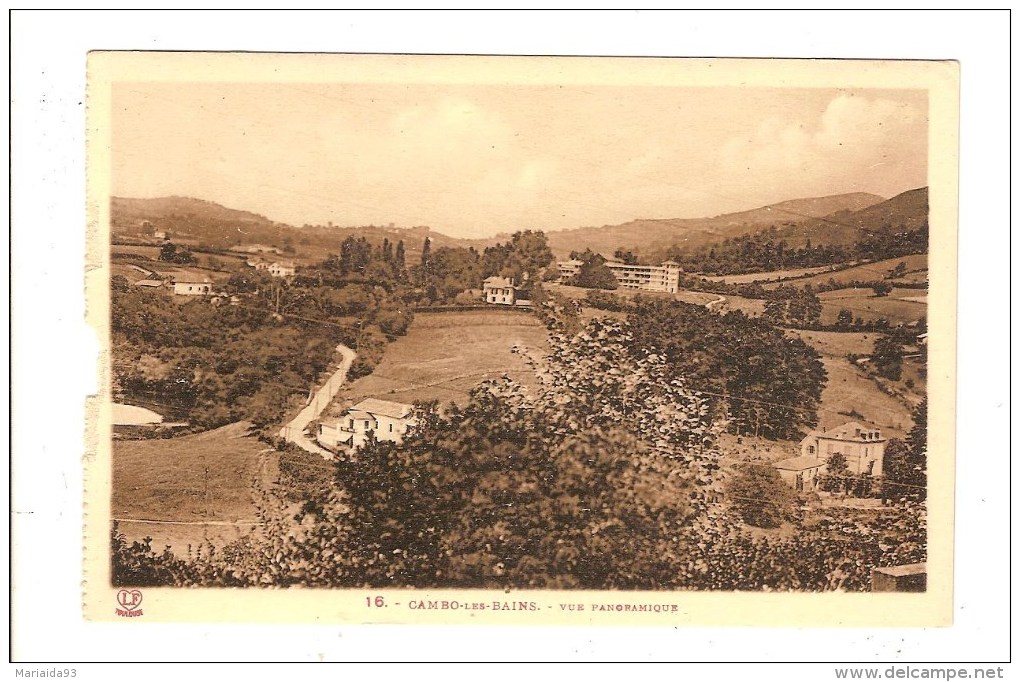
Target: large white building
point(387, 421)
point(665, 277)
point(861, 444)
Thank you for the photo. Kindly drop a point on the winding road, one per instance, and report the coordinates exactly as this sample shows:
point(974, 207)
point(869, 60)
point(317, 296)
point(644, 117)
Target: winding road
point(294, 431)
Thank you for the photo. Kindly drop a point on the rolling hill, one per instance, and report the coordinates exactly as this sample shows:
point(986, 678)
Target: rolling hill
point(652, 237)
point(196, 221)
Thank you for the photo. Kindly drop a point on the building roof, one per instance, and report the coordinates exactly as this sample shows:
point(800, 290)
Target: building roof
point(799, 463)
point(385, 408)
point(850, 431)
point(499, 281)
point(149, 283)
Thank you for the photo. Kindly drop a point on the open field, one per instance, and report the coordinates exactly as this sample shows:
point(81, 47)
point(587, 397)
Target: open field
point(579, 293)
point(849, 389)
point(771, 276)
point(867, 272)
point(901, 306)
point(166, 480)
point(446, 354)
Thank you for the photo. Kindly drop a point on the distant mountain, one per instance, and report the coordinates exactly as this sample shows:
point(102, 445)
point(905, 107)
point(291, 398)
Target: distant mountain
point(906, 211)
point(652, 237)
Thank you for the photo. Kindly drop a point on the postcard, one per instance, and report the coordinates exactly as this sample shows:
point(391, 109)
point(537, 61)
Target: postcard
point(521, 340)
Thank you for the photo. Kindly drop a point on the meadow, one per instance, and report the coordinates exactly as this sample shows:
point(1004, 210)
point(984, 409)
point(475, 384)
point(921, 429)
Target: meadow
point(190, 489)
point(444, 355)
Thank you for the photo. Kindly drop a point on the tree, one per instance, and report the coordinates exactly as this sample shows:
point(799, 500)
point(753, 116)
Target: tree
point(426, 261)
point(898, 271)
point(888, 357)
point(626, 257)
point(906, 462)
point(881, 288)
point(593, 273)
point(761, 496)
point(845, 318)
point(836, 473)
point(120, 283)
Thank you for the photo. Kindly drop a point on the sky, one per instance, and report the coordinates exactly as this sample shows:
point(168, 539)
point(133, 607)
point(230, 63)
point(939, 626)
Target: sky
point(478, 160)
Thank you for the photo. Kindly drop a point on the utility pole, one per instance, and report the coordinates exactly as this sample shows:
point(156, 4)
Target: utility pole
point(207, 491)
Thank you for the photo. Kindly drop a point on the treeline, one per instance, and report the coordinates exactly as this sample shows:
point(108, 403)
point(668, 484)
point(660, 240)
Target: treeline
point(766, 251)
point(448, 274)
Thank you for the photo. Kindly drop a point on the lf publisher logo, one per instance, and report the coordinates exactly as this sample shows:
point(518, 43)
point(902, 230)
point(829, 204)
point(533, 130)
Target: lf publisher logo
point(130, 602)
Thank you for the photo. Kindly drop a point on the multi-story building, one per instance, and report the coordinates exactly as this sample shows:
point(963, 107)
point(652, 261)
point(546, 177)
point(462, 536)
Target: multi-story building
point(861, 444)
point(665, 277)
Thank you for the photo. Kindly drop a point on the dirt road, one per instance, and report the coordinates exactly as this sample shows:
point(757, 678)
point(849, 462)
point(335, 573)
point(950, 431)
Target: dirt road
point(294, 431)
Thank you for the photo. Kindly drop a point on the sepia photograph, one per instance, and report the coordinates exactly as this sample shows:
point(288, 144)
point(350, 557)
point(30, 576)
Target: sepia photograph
point(473, 335)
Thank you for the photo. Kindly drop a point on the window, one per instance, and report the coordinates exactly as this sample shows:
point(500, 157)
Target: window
point(366, 425)
point(391, 427)
point(811, 449)
point(352, 425)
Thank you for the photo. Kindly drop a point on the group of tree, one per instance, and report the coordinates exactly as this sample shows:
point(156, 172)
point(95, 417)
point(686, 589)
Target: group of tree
point(171, 253)
point(766, 383)
point(905, 467)
point(797, 307)
point(593, 273)
point(444, 274)
point(767, 251)
point(360, 258)
point(213, 364)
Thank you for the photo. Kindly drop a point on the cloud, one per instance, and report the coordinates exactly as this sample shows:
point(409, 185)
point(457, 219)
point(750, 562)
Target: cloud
point(856, 143)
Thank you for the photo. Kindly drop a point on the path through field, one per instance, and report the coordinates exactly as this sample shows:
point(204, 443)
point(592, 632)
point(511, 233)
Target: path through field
point(294, 431)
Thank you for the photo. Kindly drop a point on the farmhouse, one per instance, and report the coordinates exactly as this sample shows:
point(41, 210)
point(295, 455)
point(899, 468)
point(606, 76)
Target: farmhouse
point(665, 277)
point(192, 286)
point(503, 291)
point(385, 420)
point(282, 269)
point(802, 473)
point(861, 444)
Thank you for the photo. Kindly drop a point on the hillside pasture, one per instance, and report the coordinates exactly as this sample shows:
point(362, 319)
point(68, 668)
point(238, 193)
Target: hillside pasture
point(444, 355)
point(175, 485)
point(901, 306)
point(866, 272)
point(849, 389)
point(772, 276)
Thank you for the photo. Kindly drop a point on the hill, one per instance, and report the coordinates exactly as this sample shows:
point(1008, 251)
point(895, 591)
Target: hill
point(651, 238)
point(906, 211)
point(196, 221)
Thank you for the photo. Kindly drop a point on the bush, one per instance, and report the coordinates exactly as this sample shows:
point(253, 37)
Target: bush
point(761, 496)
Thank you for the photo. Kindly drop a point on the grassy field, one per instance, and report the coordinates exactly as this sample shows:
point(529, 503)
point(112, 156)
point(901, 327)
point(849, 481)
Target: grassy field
point(166, 480)
point(767, 276)
point(446, 354)
point(869, 272)
point(901, 306)
point(850, 389)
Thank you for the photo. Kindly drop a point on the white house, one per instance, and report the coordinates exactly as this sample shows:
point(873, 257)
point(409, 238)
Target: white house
point(503, 291)
point(192, 286)
point(861, 444)
point(385, 420)
point(282, 269)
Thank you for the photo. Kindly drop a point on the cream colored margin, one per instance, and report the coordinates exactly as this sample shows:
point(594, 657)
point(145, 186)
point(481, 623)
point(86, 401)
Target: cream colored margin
point(934, 607)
